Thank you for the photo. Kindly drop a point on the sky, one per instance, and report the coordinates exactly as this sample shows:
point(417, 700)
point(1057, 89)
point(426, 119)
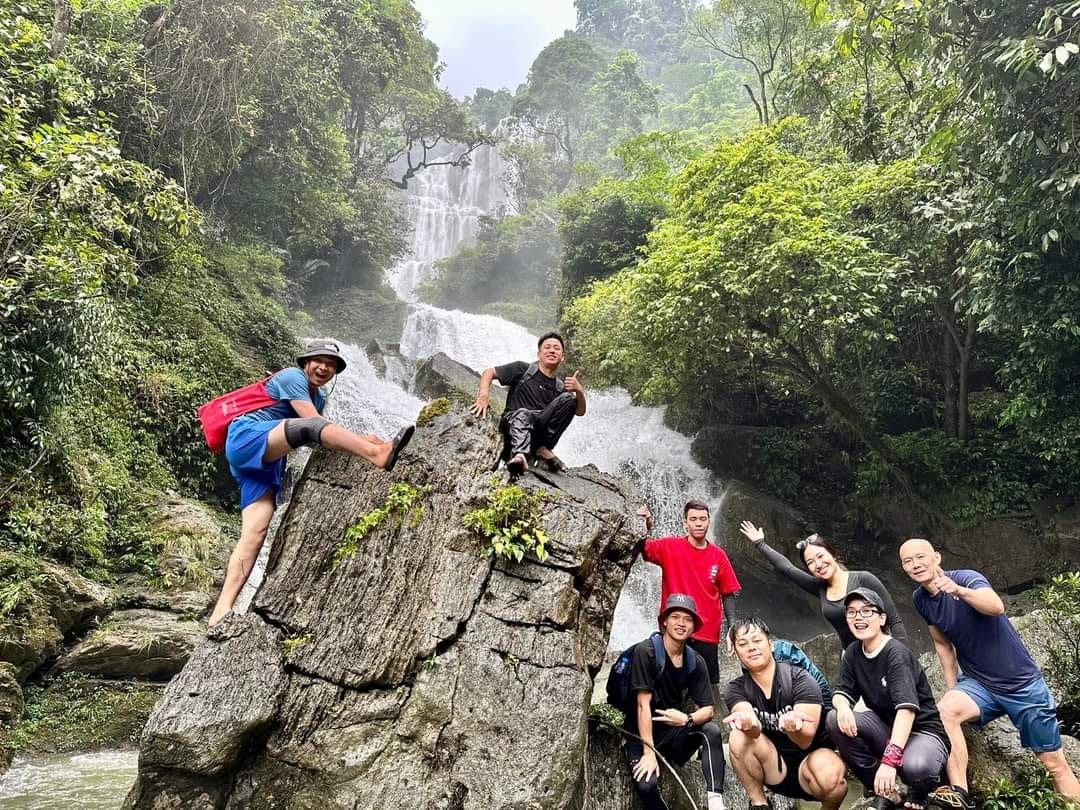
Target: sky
point(491, 43)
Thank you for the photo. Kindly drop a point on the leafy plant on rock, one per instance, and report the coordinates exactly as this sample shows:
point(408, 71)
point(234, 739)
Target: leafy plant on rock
point(511, 523)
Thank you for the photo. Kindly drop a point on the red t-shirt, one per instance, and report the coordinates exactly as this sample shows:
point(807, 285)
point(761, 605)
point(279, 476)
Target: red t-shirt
point(703, 573)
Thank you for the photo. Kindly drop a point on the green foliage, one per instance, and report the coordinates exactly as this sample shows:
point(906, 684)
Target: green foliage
point(511, 522)
point(431, 663)
point(402, 502)
point(21, 576)
point(433, 410)
point(607, 713)
point(1062, 600)
point(1034, 790)
point(77, 713)
point(294, 643)
point(512, 260)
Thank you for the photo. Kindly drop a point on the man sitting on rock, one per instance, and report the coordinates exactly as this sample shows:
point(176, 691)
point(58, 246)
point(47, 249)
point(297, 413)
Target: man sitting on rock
point(539, 406)
point(988, 670)
point(259, 441)
point(692, 565)
point(659, 721)
point(778, 737)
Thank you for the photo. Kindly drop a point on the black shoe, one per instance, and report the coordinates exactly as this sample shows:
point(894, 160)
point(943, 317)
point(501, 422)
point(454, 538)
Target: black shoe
point(951, 796)
point(517, 465)
point(401, 441)
point(553, 464)
point(885, 803)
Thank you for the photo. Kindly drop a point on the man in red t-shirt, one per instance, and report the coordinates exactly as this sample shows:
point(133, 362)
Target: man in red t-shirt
point(698, 568)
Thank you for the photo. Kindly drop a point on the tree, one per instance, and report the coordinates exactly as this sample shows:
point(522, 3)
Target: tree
point(765, 35)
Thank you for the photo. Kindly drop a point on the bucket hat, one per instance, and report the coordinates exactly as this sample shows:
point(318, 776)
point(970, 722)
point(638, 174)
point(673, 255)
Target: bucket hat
point(681, 601)
point(322, 348)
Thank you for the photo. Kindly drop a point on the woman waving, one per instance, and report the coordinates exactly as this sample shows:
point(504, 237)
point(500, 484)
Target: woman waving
point(827, 578)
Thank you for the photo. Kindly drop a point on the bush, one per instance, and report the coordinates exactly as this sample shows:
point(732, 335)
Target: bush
point(1033, 790)
point(1062, 600)
point(511, 522)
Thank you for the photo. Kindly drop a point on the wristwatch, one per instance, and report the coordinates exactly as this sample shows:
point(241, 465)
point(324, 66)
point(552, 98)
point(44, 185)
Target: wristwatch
point(689, 721)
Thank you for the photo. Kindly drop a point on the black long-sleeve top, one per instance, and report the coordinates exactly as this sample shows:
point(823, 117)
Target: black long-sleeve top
point(833, 610)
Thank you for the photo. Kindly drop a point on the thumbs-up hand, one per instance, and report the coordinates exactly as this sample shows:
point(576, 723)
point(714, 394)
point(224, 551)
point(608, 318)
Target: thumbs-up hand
point(572, 383)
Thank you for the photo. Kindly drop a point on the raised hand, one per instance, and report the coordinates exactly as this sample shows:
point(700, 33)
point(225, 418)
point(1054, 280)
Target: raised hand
point(744, 720)
point(646, 513)
point(945, 585)
point(752, 532)
point(480, 407)
point(572, 384)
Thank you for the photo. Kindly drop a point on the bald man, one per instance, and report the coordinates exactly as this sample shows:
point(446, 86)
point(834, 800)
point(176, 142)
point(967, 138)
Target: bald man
point(988, 670)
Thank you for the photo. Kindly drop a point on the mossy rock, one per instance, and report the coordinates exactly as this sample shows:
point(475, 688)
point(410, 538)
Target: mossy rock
point(77, 713)
point(359, 316)
point(433, 410)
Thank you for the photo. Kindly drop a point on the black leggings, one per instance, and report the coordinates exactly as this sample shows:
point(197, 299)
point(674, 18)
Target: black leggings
point(528, 430)
point(924, 756)
point(677, 744)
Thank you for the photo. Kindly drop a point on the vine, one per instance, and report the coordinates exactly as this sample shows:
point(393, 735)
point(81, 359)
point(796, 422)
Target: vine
point(402, 501)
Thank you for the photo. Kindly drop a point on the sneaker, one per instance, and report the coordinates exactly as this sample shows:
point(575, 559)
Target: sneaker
point(951, 796)
point(884, 803)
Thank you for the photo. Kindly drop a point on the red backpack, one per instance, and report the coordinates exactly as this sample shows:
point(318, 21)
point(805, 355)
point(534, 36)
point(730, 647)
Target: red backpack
point(217, 414)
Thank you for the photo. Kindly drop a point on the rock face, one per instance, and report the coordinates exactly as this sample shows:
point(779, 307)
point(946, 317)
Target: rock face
point(194, 548)
point(143, 644)
point(417, 672)
point(441, 376)
point(11, 711)
point(63, 602)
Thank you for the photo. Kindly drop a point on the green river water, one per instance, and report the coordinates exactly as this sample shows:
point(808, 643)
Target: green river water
point(97, 781)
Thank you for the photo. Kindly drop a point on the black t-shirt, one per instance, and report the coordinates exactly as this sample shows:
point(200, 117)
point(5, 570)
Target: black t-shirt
point(536, 393)
point(893, 679)
point(668, 690)
point(804, 689)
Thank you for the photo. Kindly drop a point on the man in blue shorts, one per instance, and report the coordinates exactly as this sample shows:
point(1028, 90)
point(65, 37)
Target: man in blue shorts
point(988, 670)
point(259, 441)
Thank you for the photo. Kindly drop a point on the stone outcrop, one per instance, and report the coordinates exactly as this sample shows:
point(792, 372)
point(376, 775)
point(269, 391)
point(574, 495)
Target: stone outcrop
point(148, 645)
point(417, 671)
point(442, 376)
point(63, 603)
point(380, 354)
point(194, 549)
point(11, 711)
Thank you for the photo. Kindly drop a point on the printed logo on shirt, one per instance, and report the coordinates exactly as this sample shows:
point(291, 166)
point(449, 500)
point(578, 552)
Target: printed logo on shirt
point(884, 683)
point(714, 573)
point(770, 721)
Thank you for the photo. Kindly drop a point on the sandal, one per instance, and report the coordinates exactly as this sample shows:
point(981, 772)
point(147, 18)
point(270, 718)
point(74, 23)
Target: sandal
point(401, 441)
point(553, 464)
point(517, 465)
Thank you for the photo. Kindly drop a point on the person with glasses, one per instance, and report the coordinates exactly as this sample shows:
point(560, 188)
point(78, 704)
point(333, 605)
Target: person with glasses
point(988, 670)
point(827, 578)
point(900, 735)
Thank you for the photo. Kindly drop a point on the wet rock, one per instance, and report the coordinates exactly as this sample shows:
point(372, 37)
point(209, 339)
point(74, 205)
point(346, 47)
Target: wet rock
point(420, 671)
point(194, 548)
point(379, 353)
point(11, 711)
point(61, 602)
point(191, 604)
point(441, 376)
point(140, 644)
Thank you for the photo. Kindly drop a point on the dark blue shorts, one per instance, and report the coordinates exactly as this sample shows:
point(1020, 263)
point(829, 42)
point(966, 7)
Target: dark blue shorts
point(1031, 709)
point(244, 450)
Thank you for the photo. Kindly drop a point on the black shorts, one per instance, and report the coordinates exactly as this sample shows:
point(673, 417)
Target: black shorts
point(709, 652)
point(790, 786)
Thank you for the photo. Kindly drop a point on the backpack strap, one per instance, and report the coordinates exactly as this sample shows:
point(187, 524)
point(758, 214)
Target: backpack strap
point(689, 655)
point(530, 372)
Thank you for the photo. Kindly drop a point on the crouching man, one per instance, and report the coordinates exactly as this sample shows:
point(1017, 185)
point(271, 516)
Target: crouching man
point(661, 688)
point(778, 739)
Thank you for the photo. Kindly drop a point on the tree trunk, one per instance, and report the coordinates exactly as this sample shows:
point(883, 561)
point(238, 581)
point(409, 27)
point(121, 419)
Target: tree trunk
point(62, 14)
point(764, 98)
point(948, 378)
point(962, 397)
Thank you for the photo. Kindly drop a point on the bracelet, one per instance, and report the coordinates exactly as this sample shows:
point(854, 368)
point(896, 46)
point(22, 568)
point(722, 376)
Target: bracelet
point(893, 756)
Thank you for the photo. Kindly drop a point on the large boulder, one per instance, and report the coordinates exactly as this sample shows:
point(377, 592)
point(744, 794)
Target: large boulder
point(194, 548)
point(441, 376)
point(150, 645)
point(60, 602)
point(415, 670)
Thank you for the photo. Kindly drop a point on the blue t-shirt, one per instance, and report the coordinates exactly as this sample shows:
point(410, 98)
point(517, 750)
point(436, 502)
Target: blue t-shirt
point(290, 383)
point(988, 648)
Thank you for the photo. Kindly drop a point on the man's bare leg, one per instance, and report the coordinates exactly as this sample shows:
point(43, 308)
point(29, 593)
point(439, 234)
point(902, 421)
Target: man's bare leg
point(754, 761)
point(957, 708)
point(254, 522)
point(336, 438)
point(823, 774)
point(1064, 779)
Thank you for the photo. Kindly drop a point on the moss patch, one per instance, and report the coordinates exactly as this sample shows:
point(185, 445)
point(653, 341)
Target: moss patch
point(433, 410)
point(77, 713)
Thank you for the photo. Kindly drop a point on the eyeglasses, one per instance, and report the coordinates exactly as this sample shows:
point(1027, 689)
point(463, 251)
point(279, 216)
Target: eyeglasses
point(862, 613)
point(812, 540)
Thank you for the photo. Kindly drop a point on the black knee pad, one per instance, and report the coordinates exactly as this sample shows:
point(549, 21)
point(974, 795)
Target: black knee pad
point(302, 432)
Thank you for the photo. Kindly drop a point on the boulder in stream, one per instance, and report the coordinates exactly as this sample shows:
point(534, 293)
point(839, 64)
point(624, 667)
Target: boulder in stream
point(407, 667)
point(150, 645)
